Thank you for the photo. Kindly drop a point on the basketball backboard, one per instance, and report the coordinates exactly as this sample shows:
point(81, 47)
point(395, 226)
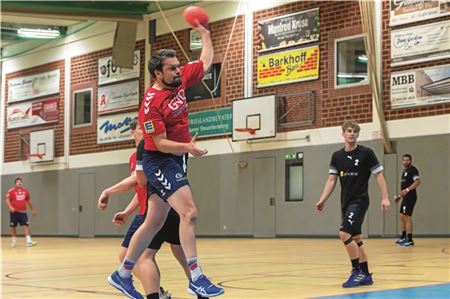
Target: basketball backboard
point(254, 118)
point(42, 146)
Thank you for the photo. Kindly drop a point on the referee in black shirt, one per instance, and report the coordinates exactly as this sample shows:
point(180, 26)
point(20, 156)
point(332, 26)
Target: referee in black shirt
point(354, 164)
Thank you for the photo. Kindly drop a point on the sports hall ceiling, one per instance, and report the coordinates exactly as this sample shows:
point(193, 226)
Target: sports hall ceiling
point(67, 17)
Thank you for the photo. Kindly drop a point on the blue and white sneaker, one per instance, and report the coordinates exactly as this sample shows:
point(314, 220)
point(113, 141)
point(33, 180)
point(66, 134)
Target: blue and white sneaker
point(407, 244)
point(354, 280)
point(125, 285)
point(204, 287)
point(401, 240)
point(367, 279)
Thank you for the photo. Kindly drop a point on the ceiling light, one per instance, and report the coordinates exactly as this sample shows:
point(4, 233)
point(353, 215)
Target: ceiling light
point(38, 33)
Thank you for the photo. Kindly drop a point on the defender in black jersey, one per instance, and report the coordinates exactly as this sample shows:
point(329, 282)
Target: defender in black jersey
point(353, 165)
point(410, 180)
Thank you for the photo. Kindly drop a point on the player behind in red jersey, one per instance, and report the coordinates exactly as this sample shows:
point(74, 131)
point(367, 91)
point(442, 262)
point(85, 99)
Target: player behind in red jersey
point(164, 118)
point(146, 268)
point(17, 199)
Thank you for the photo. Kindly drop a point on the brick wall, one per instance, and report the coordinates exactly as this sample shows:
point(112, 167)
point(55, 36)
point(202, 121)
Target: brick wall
point(13, 136)
point(332, 106)
point(413, 112)
point(84, 74)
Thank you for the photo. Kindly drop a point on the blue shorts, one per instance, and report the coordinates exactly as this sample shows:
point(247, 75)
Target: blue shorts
point(166, 173)
point(168, 233)
point(18, 218)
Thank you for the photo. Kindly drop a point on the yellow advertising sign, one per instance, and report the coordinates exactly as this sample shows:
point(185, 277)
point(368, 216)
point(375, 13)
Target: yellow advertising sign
point(288, 67)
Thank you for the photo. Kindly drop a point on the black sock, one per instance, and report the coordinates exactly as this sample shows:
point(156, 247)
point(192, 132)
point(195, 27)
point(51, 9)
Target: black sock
point(364, 267)
point(153, 296)
point(410, 237)
point(355, 264)
point(403, 236)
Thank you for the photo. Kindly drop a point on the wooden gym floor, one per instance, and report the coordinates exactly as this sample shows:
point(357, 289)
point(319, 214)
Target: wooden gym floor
point(246, 268)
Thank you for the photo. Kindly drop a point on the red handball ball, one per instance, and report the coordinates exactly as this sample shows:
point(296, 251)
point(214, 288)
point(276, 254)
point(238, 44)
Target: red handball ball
point(192, 14)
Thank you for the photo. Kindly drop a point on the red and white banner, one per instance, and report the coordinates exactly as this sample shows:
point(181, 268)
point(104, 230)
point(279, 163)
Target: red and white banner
point(32, 113)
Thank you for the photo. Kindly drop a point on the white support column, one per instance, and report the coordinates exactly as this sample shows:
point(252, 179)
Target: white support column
point(67, 105)
point(2, 117)
point(379, 60)
point(248, 50)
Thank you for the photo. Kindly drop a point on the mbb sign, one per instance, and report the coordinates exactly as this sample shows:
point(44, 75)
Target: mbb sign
point(108, 72)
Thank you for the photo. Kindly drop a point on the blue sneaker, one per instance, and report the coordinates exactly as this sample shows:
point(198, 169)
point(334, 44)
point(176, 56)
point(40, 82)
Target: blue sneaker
point(204, 287)
point(399, 241)
point(354, 280)
point(125, 285)
point(367, 280)
point(407, 244)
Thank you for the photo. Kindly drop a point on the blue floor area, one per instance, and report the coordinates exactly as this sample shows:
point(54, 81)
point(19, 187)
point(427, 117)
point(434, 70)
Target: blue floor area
point(440, 291)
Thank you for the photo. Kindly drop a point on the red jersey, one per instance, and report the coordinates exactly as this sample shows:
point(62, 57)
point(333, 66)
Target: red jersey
point(19, 198)
point(166, 110)
point(140, 191)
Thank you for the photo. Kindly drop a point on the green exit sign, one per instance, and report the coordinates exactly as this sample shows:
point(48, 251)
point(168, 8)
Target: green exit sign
point(293, 156)
point(290, 156)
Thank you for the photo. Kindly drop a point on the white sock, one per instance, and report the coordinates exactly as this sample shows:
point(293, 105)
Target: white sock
point(13, 240)
point(126, 268)
point(28, 239)
point(194, 267)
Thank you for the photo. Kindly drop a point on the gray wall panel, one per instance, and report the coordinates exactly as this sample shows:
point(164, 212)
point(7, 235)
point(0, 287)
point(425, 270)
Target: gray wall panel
point(224, 193)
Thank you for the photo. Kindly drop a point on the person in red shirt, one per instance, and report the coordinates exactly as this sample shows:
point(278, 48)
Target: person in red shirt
point(164, 118)
point(17, 199)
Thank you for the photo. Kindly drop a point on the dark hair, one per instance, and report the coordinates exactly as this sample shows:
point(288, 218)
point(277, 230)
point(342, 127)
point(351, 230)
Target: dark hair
point(407, 156)
point(156, 62)
point(18, 179)
point(133, 123)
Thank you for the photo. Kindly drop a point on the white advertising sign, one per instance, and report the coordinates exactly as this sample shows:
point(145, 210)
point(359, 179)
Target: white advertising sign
point(108, 73)
point(420, 43)
point(411, 11)
point(114, 128)
point(118, 97)
point(33, 86)
point(420, 87)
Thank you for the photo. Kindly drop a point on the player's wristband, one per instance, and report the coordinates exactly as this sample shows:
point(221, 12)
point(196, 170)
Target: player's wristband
point(140, 151)
point(139, 165)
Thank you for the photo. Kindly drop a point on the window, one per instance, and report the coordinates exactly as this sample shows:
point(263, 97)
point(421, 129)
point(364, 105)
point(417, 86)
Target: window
point(82, 107)
point(198, 90)
point(350, 62)
point(294, 176)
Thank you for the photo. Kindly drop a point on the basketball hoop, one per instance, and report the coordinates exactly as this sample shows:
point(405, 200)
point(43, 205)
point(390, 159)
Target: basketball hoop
point(246, 130)
point(37, 155)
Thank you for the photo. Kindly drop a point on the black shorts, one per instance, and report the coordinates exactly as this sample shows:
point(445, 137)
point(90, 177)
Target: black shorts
point(353, 217)
point(18, 218)
point(407, 205)
point(168, 233)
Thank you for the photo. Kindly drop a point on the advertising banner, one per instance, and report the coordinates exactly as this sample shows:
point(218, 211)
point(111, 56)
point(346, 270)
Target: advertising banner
point(289, 30)
point(420, 43)
point(33, 86)
point(108, 73)
point(411, 11)
point(118, 97)
point(211, 122)
point(32, 113)
point(420, 87)
point(288, 67)
point(114, 128)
